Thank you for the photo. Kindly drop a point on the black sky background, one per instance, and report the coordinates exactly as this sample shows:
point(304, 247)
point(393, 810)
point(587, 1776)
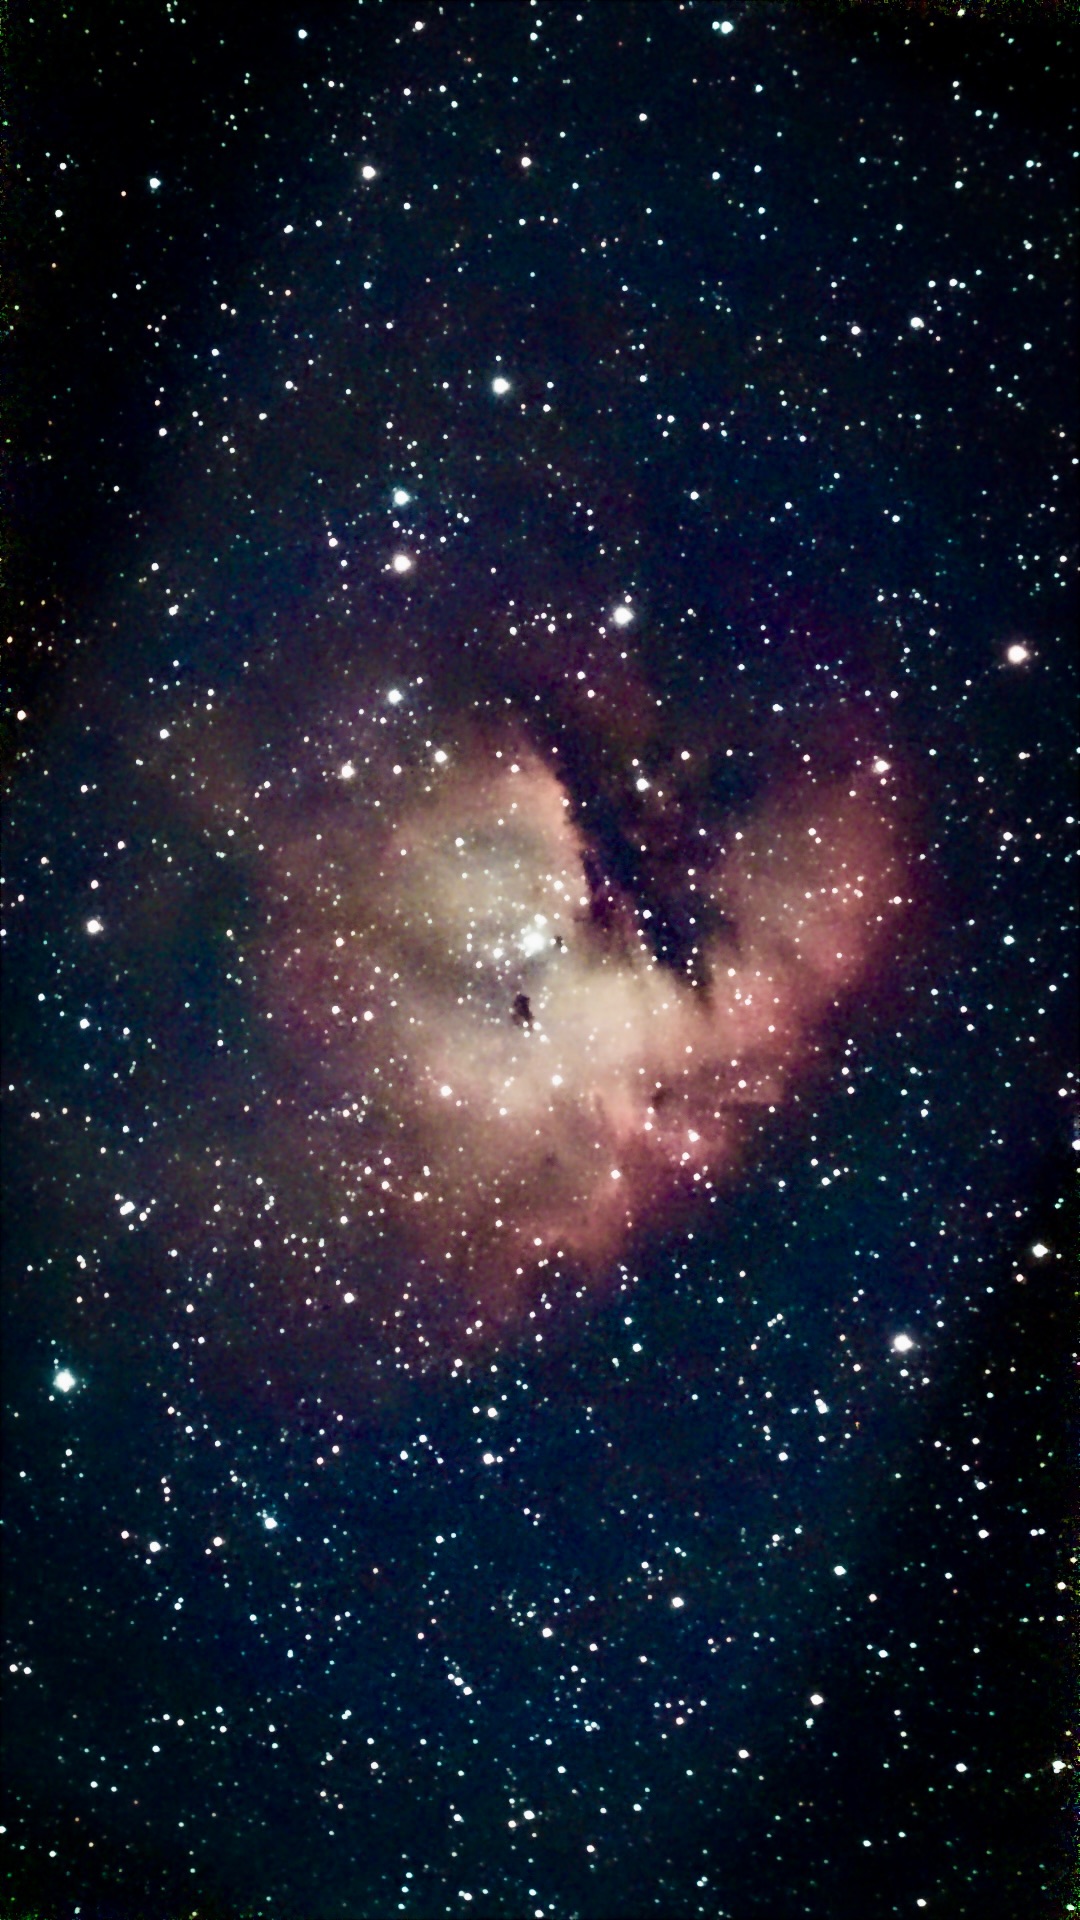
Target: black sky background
point(118, 304)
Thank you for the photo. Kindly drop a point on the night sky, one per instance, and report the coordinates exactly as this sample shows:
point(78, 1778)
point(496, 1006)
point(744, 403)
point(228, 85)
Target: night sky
point(540, 1073)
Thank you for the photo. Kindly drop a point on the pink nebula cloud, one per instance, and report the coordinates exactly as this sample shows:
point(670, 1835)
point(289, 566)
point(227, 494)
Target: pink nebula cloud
point(483, 1066)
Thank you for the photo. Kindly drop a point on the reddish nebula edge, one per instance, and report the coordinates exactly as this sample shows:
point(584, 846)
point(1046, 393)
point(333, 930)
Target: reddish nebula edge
point(481, 1080)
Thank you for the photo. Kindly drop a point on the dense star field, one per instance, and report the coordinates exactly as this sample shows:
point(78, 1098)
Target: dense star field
point(539, 992)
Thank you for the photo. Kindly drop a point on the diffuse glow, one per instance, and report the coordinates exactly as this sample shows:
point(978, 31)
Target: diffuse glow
point(507, 1081)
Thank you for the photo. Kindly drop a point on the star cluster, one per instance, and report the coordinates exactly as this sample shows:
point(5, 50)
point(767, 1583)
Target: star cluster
point(540, 1032)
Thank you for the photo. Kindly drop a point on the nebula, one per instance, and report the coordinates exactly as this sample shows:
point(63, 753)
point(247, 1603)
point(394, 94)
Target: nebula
point(485, 1076)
